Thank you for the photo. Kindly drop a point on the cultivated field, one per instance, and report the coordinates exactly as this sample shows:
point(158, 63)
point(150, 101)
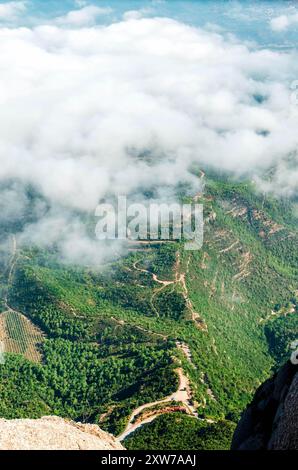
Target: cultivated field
point(20, 336)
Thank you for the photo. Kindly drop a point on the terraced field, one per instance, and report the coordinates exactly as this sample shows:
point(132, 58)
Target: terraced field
point(18, 335)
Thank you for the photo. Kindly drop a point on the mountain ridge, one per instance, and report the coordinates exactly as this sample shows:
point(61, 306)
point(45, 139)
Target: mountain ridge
point(108, 341)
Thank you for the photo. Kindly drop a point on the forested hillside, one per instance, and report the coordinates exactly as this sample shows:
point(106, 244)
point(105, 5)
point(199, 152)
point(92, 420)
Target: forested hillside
point(208, 324)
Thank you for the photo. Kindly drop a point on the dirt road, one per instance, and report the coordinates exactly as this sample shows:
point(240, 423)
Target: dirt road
point(182, 395)
point(11, 266)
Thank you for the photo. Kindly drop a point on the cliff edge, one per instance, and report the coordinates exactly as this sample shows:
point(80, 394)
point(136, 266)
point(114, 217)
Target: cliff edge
point(271, 420)
point(54, 433)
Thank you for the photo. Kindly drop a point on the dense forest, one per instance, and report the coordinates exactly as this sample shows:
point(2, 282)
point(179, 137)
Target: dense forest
point(179, 432)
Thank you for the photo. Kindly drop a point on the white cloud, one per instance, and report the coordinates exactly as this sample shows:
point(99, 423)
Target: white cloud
point(79, 106)
point(81, 3)
point(11, 10)
point(85, 16)
point(137, 14)
point(283, 22)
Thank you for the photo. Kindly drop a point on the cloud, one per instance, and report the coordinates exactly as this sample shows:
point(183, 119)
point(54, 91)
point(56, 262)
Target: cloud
point(137, 14)
point(12, 10)
point(94, 111)
point(283, 22)
point(85, 16)
point(81, 3)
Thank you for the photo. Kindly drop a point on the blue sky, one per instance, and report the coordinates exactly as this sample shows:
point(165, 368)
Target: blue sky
point(247, 19)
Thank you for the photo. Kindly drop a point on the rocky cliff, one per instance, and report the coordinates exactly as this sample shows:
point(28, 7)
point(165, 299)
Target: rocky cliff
point(53, 433)
point(271, 420)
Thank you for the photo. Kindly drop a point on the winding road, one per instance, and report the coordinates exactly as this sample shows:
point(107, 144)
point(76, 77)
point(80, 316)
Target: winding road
point(182, 395)
point(11, 267)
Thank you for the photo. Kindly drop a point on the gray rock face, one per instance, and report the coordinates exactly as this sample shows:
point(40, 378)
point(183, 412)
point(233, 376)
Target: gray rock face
point(53, 433)
point(271, 420)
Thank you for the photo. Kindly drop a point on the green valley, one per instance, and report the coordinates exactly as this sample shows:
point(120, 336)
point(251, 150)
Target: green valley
point(112, 339)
